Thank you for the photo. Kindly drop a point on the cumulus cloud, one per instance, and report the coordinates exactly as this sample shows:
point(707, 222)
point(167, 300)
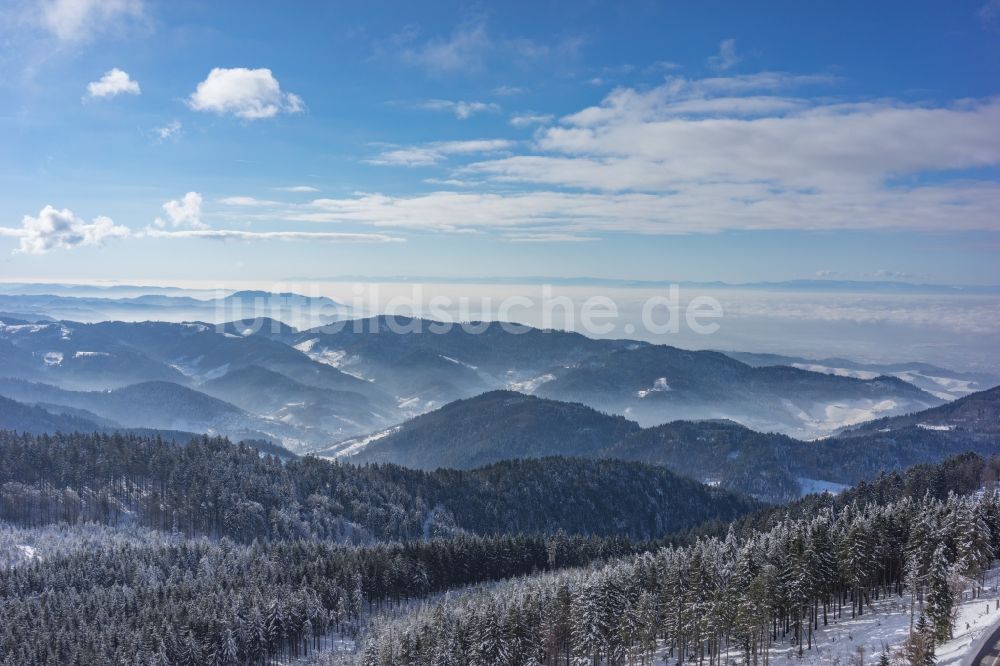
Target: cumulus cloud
point(60, 229)
point(434, 153)
point(462, 110)
point(727, 58)
point(752, 152)
point(114, 82)
point(251, 94)
point(82, 19)
point(183, 212)
point(239, 235)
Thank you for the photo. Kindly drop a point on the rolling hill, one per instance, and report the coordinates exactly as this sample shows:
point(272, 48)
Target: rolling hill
point(498, 425)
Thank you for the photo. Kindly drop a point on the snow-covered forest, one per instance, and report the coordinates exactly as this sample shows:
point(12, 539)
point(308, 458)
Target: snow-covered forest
point(165, 575)
point(732, 596)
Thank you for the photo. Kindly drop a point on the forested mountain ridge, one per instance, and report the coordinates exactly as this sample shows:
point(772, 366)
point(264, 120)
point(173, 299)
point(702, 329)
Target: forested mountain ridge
point(155, 405)
point(217, 488)
point(769, 466)
point(658, 383)
point(498, 425)
point(944, 383)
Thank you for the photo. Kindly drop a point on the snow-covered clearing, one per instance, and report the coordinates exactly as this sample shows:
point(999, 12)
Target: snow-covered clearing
point(886, 624)
point(353, 446)
point(659, 385)
point(530, 385)
point(931, 426)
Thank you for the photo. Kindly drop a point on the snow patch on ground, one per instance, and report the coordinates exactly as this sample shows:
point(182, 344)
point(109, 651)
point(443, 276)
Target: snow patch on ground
point(944, 427)
point(857, 411)
point(825, 418)
point(354, 446)
point(192, 368)
point(530, 385)
point(335, 358)
point(53, 358)
point(306, 346)
point(659, 385)
point(28, 552)
point(945, 388)
point(457, 362)
point(887, 623)
point(23, 328)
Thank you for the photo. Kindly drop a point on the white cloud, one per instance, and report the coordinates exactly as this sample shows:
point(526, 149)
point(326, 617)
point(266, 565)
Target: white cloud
point(434, 153)
point(688, 137)
point(548, 238)
point(183, 212)
point(463, 50)
point(246, 201)
point(708, 208)
point(82, 19)
point(462, 110)
point(506, 91)
point(727, 57)
point(299, 189)
point(169, 132)
point(238, 235)
point(114, 82)
point(61, 229)
point(251, 94)
point(753, 152)
point(528, 119)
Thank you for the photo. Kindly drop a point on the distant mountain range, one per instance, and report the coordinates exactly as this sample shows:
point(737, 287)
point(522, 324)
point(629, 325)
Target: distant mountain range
point(942, 383)
point(314, 387)
point(173, 306)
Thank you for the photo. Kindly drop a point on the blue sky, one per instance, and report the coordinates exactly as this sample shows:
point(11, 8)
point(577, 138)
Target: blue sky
point(682, 140)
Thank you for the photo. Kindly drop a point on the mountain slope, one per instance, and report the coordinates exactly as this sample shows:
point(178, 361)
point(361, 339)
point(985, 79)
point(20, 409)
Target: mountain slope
point(30, 418)
point(494, 426)
point(976, 413)
point(776, 467)
point(272, 394)
point(657, 384)
point(255, 498)
point(157, 405)
point(428, 363)
point(940, 382)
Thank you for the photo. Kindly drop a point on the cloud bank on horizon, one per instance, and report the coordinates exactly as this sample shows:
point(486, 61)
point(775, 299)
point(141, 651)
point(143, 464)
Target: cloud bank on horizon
point(551, 140)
